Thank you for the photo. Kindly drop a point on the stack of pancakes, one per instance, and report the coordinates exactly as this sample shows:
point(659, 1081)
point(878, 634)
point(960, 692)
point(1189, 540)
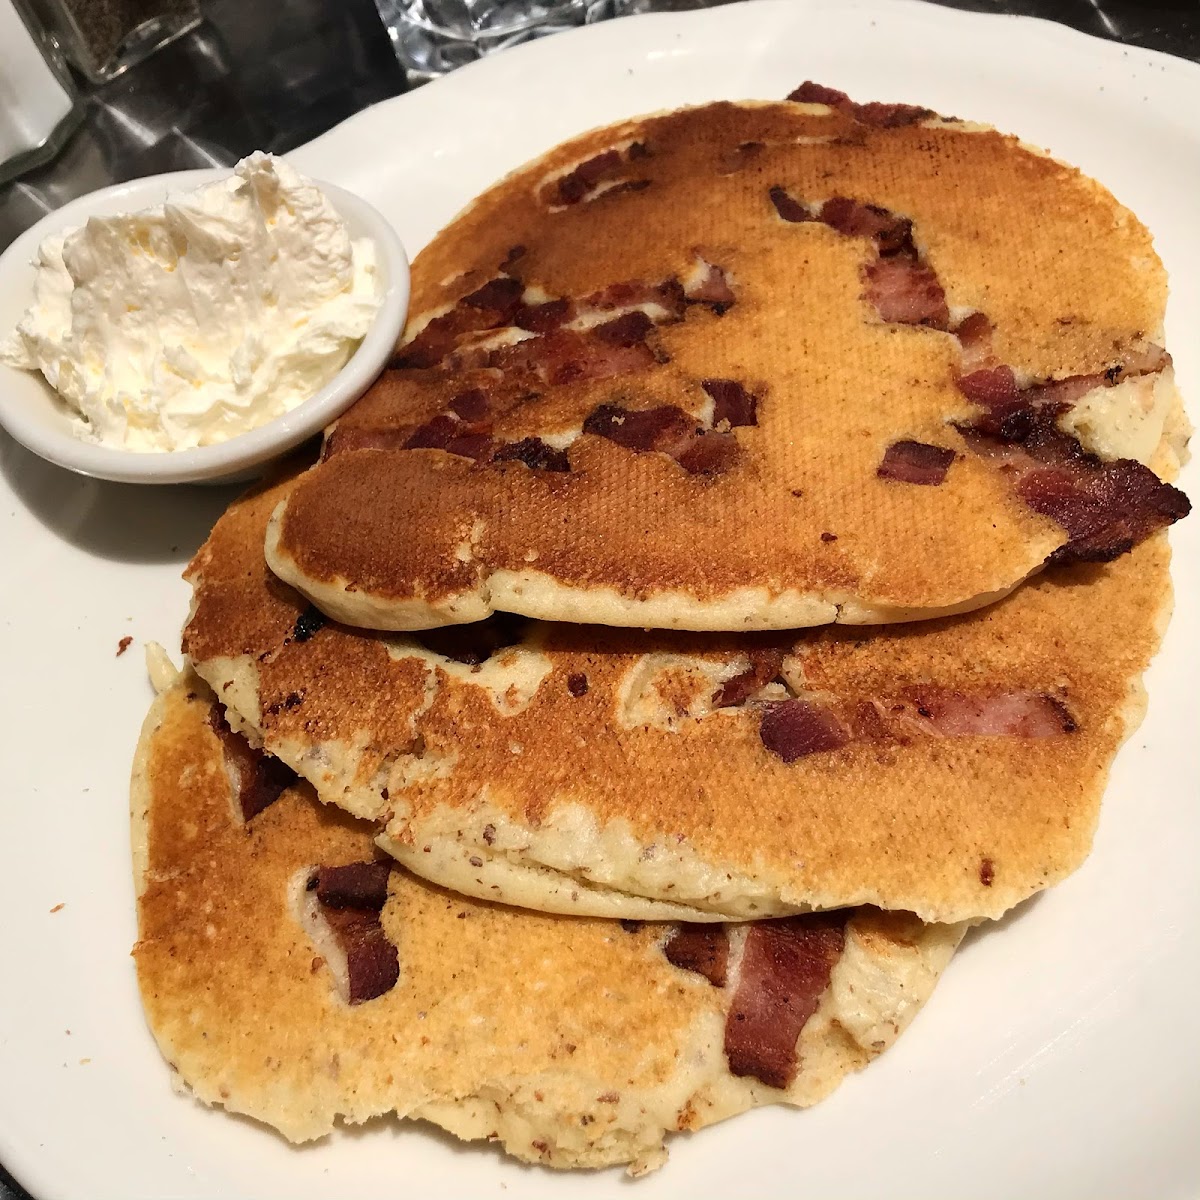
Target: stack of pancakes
point(738, 585)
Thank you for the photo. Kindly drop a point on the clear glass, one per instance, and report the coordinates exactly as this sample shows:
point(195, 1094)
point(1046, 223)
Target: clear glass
point(103, 38)
point(431, 37)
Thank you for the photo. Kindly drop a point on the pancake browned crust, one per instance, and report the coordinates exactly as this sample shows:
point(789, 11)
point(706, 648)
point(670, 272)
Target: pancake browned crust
point(593, 770)
point(701, 280)
point(573, 1043)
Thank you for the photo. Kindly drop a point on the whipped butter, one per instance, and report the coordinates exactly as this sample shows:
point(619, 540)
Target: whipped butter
point(185, 325)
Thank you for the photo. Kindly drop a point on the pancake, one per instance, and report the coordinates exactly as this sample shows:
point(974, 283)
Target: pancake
point(751, 366)
point(950, 768)
point(572, 1043)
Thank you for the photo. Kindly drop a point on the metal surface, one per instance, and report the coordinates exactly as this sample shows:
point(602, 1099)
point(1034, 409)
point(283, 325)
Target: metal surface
point(270, 76)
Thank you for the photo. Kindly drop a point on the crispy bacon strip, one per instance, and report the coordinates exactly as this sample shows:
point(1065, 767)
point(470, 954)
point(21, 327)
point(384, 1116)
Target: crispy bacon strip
point(885, 116)
point(915, 462)
point(1106, 508)
point(703, 949)
point(764, 667)
point(785, 970)
point(793, 729)
point(256, 779)
point(535, 454)
point(732, 403)
point(351, 899)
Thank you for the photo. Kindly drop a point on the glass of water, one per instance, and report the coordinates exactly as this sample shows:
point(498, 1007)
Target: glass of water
point(431, 37)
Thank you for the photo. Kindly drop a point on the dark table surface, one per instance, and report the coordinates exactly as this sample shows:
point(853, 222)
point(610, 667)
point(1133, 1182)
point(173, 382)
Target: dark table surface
point(271, 76)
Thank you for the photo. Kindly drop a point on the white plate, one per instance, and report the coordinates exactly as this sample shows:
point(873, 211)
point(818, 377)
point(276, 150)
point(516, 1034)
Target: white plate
point(1059, 1056)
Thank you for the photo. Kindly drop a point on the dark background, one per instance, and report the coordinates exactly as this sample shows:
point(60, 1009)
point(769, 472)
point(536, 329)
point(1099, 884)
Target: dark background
point(272, 74)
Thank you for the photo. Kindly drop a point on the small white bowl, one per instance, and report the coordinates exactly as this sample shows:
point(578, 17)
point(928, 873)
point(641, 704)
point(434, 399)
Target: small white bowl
point(33, 412)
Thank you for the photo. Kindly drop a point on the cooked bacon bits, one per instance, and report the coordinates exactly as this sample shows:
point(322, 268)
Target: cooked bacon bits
point(785, 970)
point(641, 429)
point(915, 462)
point(901, 286)
point(886, 116)
point(733, 405)
point(891, 233)
point(342, 439)
point(764, 667)
point(703, 949)
point(535, 454)
point(475, 643)
point(542, 318)
point(355, 885)
point(711, 288)
point(572, 187)
point(906, 293)
point(351, 899)
point(789, 209)
point(471, 405)
point(1106, 508)
point(256, 779)
point(577, 684)
point(793, 729)
point(598, 177)
point(1021, 714)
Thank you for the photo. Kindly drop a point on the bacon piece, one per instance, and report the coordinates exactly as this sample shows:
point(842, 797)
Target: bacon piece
point(889, 116)
point(974, 333)
point(787, 208)
point(351, 899)
point(568, 356)
point(891, 233)
point(355, 885)
point(785, 970)
point(712, 289)
point(535, 454)
point(500, 296)
point(906, 293)
point(542, 318)
point(573, 187)
point(667, 295)
point(444, 432)
point(732, 404)
point(641, 429)
point(793, 729)
point(1146, 361)
point(703, 949)
point(256, 779)
point(626, 330)
point(708, 453)
point(477, 642)
point(471, 406)
point(882, 115)
point(817, 93)
point(915, 462)
point(1022, 714)
point(1106, 508)
point(764, 667)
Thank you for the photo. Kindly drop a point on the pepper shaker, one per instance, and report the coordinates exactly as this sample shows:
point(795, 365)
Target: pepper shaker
point(103, 38)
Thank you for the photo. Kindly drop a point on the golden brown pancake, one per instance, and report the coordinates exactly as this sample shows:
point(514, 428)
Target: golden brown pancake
point(751, 366)
point(950, 768)
point(573, 1043)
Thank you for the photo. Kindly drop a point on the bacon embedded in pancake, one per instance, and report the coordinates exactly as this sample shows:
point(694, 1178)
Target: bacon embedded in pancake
point(785, 970)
